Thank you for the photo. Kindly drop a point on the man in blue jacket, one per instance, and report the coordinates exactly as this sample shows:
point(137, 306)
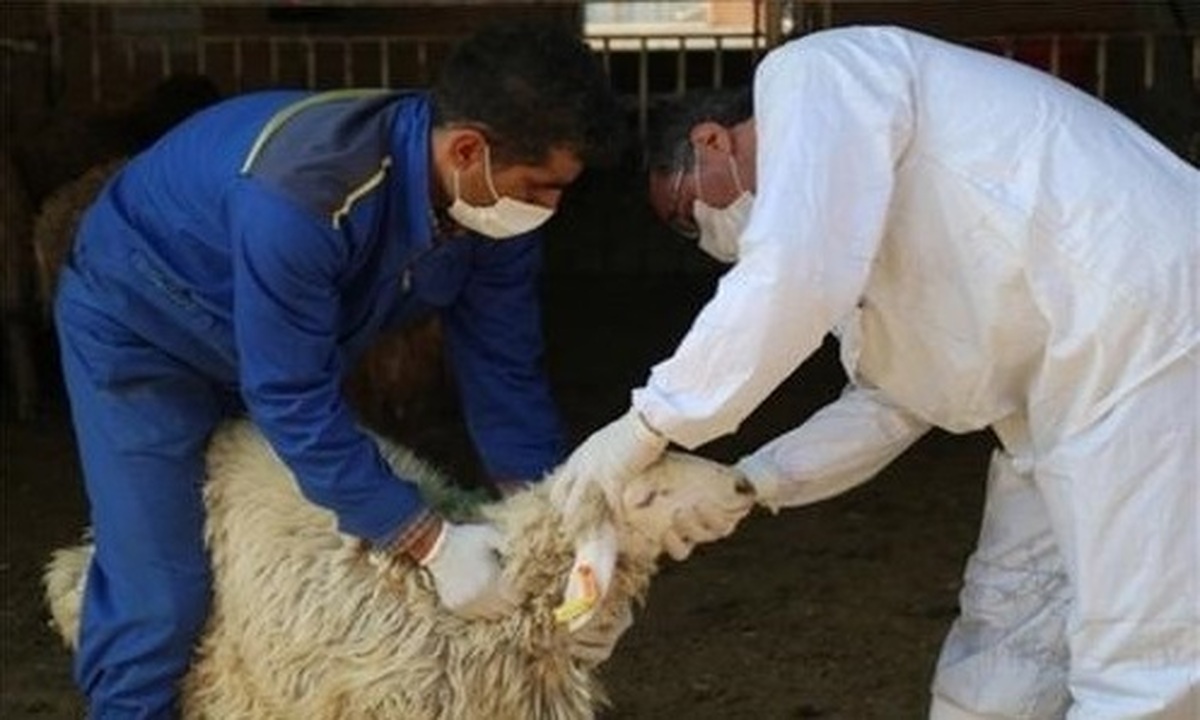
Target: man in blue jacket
point(246, 260)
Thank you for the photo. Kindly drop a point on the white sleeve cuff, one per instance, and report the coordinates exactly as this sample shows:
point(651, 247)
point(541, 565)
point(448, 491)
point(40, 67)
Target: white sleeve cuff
point(765, 479)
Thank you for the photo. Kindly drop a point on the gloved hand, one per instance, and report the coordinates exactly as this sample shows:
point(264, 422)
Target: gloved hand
point(593, 643)
point(465, 564)
point(607, 459)
point(705, 520)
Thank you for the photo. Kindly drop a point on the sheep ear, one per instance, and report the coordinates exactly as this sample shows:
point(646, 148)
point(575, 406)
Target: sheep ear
point(590, 577)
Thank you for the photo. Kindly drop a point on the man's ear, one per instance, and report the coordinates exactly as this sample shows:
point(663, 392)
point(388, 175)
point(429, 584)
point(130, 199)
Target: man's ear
point(454, 148)
point(712, 135)
point(464, 146)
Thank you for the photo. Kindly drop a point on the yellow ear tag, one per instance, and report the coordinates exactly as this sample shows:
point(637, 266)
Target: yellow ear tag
point(589, 595)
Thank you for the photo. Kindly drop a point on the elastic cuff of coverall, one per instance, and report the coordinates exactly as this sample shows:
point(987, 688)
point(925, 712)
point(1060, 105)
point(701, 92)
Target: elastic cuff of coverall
point(645, 433)
point(765, 480)
point(414, 538)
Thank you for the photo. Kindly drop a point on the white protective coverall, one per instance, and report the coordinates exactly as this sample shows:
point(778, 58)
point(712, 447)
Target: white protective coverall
point(994, 248)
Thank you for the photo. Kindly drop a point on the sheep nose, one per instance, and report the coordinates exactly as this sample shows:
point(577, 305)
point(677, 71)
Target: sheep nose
point(743, 487)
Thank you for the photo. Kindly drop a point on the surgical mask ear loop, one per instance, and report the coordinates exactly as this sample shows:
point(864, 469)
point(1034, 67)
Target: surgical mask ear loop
point(487, 178)
point(457, 194)
point(487, 173)
point(696, 178)
point(737, 176)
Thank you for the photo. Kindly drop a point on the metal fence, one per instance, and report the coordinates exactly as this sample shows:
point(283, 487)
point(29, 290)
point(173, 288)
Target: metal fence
point(110, 67)
point(114, 67)
point(249, 62)
point(1152, 77)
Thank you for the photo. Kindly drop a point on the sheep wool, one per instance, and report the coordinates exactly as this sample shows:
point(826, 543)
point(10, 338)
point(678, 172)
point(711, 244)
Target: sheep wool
point(307, 622)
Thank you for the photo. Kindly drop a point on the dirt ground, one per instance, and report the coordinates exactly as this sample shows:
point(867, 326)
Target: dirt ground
point(832, 611)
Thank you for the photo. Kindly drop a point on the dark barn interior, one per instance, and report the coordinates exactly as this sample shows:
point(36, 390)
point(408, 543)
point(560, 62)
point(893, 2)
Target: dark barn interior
point(836, 610)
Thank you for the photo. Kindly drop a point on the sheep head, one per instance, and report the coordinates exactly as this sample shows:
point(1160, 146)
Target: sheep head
point(636, 531)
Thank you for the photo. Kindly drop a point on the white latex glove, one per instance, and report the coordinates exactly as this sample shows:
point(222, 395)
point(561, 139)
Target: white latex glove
point(465, 565)
point(705, 520)
point(606, 460)
point(593, 643)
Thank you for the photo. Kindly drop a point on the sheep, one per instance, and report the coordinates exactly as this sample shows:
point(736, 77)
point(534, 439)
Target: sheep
point(309, 623)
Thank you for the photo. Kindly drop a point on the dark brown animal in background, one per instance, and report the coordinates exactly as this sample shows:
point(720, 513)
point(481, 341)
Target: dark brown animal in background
point(401, 385)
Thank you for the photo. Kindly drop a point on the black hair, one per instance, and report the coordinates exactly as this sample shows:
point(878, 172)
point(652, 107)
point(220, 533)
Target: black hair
point(531, 87)
point(667, 143)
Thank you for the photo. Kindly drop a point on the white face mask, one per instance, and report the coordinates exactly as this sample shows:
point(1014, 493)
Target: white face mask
point(720, 228)
point(504, 219)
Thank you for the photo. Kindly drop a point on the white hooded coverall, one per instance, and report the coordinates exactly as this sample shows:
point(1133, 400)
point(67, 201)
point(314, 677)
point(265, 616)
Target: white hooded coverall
point(994, 248)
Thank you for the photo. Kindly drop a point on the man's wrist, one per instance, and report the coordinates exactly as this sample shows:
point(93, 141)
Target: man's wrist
point(419, 539)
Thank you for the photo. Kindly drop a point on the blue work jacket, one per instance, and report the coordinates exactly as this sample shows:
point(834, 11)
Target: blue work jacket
point(269, 239)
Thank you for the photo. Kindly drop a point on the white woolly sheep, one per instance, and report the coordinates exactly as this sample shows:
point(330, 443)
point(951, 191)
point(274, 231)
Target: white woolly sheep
point(308, 623)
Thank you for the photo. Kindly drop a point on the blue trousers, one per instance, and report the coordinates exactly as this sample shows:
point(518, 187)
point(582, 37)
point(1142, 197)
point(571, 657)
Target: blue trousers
point(142, 418)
